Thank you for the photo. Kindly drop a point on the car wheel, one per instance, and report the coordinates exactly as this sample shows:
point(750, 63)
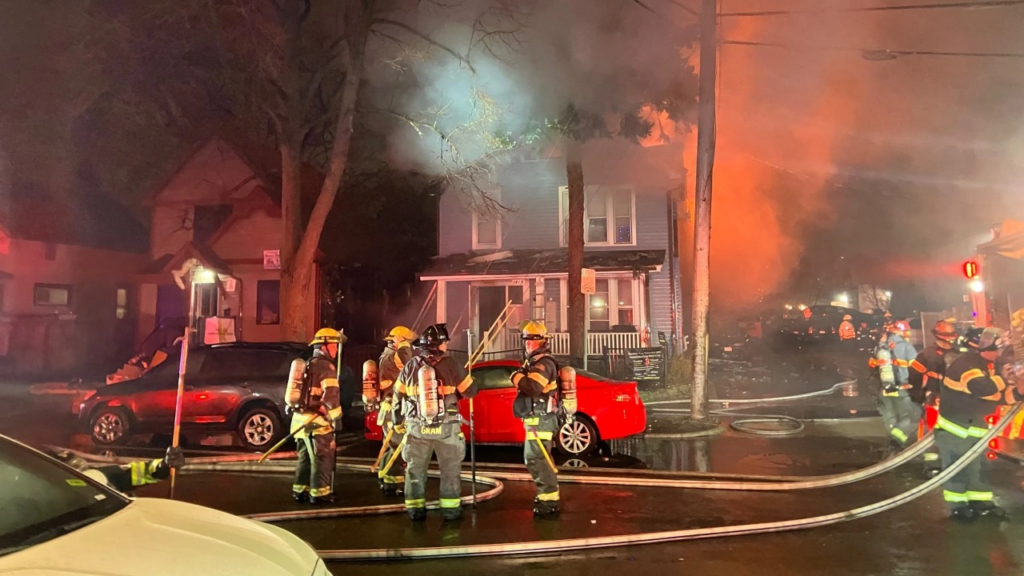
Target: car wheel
point(259, 428)
point(109, 426)
point(578, 437)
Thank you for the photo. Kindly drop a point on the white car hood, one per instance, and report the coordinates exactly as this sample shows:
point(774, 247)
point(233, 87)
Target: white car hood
point(163, 537)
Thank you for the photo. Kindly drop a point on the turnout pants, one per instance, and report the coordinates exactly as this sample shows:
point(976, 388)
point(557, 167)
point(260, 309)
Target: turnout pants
point(450, 447)
point(314, 473)
point(900, 414)
point(396, 474)
point(540, 430)
point(971, 484)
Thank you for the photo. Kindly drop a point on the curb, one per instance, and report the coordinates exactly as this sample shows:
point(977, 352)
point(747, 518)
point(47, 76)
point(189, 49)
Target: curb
point(717, 430)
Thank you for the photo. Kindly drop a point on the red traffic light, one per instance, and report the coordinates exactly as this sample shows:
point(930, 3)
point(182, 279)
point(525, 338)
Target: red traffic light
point(971, 269)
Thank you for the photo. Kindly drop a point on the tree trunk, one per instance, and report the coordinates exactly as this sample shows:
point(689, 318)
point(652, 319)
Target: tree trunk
point(702, 226)
point(577, 301)
point(297, 275)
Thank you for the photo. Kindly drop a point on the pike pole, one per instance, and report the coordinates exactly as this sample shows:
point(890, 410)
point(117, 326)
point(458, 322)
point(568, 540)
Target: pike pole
point(472, 427)
point(182, 368)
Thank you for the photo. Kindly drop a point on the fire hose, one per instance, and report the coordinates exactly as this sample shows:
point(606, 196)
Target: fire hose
point(577, 544)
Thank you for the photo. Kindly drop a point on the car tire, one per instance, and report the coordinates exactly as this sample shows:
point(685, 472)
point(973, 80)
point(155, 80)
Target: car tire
point(578, 437)
point(109, 426)
point(259, 428)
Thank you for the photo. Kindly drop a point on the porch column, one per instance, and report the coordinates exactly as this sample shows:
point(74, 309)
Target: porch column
point(539, 302)
point(442, 302)
point(563, 304)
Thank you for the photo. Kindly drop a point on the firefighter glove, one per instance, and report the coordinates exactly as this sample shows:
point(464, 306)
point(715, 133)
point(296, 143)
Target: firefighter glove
point(400, 428)
point(174, 458)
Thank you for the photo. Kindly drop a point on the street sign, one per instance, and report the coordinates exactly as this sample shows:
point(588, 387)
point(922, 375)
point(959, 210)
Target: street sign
point(271, 259)
point(589, 281)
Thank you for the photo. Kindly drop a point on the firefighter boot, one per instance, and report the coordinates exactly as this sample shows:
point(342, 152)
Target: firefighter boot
point(451, 514)
point(962, 513)
point(989, 510)
point(301, 497)
point(543, 508)
point(417, 514)
point(319, 500)
point(392, 490)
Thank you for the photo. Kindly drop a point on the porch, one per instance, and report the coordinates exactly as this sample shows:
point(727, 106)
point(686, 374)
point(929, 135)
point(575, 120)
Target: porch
point(559, 342)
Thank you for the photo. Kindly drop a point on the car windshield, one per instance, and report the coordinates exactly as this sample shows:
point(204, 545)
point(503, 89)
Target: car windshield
point(42, 499)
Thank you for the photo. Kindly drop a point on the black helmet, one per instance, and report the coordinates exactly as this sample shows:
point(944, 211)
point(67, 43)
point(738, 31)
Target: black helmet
point(433, 337)
point(986, 339)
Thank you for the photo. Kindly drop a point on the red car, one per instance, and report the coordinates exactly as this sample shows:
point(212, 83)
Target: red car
point(608, 409)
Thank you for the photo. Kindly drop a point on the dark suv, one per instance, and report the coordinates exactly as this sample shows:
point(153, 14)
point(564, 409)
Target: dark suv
point(228, 388)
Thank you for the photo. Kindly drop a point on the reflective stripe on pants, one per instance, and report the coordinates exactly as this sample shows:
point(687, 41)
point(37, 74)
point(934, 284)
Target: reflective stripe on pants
point(450, 450)
point(545, 478)
point(971, 483)
point(315, 467)
point(900, 415)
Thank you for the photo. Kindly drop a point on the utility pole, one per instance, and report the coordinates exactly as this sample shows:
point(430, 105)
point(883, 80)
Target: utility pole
point(702, 223)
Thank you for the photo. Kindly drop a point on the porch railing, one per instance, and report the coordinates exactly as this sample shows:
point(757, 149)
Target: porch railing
point(509, 340)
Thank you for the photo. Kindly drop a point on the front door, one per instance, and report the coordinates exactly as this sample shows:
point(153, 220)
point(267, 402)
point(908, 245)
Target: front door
point(170, 303)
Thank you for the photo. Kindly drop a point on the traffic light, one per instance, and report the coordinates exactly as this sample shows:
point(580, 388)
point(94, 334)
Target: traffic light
point(971, 269)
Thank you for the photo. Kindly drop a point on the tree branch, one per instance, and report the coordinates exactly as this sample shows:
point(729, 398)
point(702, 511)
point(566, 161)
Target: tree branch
point(425, 38)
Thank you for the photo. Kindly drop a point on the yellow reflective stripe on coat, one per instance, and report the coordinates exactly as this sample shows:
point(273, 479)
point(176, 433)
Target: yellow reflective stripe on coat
point(385, 384)
point(538, 378)
point(901, 363)
point(400, 386)
point(539, 435)
point(918, 366)
point(142, 472)
point(447, 390)
point(959, 431)
point(532, 421)
point(329, 382)
point(334, 413)
point(465, 384)
point(1000, 386)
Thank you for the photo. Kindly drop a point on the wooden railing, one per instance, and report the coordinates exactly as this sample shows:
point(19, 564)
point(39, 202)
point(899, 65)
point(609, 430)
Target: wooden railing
point(559, 341)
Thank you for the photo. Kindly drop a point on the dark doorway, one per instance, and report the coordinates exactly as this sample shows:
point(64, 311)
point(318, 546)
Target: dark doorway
point(170, 303)
point(492, 302)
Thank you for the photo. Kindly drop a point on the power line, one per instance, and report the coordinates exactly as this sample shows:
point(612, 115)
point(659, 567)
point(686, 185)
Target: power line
point(873, 53)
point(898, 7)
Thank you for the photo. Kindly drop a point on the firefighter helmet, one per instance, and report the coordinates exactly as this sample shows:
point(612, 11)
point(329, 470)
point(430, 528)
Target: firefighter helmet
point(400, 332)
point(533, 330)
point(847, 317)
point(987, 339)
point(901, 327)
point(433, 337)
point(945, 330)
point(326, 336)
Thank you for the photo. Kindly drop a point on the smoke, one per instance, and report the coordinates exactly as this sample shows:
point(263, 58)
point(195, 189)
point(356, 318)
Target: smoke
point(901, 161)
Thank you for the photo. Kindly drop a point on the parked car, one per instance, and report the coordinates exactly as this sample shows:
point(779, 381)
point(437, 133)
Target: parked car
point(57, 520)
point(608, 409)
point(228, 388)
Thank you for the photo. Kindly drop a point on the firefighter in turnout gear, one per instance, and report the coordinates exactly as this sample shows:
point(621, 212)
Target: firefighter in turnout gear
point(537, 405)
point(899, 412)
point(314, 399)
point(426, 409)
point(125, 477)
point(972, 389)
point(397, 354)
point(926, 375)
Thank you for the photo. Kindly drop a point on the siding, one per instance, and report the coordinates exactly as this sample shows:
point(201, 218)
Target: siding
point(551, 294)
point(249, 237)
point(458, 314)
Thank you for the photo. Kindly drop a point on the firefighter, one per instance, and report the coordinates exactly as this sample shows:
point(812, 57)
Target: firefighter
point(397, 353)
point(126, 477)
point(314, 400)
point(926, 375)
point(426, 409)
point(536, 404)
point(972, 389)
point(899, 412)
point(846, 329)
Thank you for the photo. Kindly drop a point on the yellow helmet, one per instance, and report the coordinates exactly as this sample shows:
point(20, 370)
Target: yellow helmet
point(400, 332)
point(327, 335)
point(533, 330)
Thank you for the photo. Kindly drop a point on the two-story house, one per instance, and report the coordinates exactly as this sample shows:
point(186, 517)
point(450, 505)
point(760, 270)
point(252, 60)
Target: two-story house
point(216, 229)
point(521, 256)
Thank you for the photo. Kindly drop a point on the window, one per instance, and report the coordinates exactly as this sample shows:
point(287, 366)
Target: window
point(233, 363)
point(515, 294)
point(51, 295)
point(492, 378)
point(487, 228)
point(599, 309)
point(268, 302)
point(50, 251)
point(206, 220)
point(122, 303)
point(612, 304)
point(608, 216)
point(625, 300)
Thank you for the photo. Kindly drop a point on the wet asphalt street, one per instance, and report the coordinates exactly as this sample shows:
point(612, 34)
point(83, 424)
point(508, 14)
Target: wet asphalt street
point(914, 539)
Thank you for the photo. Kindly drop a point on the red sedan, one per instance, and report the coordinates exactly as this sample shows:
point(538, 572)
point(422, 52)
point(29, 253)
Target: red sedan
point(608, 409)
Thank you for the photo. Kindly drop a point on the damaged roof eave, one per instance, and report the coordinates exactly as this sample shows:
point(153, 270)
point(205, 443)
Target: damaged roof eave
point(462, 276)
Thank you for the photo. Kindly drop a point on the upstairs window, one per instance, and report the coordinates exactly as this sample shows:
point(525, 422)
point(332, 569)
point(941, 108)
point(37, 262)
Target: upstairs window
point(487, 228)
point(51, 295)
point(608, 216)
